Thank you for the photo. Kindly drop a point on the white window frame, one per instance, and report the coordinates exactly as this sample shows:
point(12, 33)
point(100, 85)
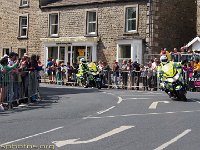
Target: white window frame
point(22, 4)
point(24, 27)
point(50, 24)
point(92, 22)
point(136, 49)
point(3, 53)
point(127, 20)
point(119, 58)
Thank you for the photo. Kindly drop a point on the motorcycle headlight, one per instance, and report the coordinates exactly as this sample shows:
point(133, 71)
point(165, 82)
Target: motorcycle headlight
point(171, 80)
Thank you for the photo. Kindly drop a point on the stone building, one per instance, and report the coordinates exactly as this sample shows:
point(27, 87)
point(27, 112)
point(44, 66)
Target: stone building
point(198, 17)
point(105, 30)
point(20, 28)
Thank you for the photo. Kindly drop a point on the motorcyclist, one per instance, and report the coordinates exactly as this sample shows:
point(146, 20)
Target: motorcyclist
point(164, 71)
point(82, 70)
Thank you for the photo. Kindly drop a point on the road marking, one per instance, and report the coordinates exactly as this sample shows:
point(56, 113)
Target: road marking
point(130, 115)
point(119, 100)
point(108, 93)
point(154, 104)
point(31, 136)
point(105, 135)
point(195, 101)
point(136, 95)
point(173, 140)
point(136, 98)
point(103, 111)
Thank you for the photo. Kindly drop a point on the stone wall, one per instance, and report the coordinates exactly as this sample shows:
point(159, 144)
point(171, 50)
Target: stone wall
point(9, 15)
point(110, 24)
point(174, 23)
point(198, 17)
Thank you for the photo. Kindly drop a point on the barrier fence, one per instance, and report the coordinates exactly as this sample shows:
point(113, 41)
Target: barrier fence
point(18, 86)
point(131, 80)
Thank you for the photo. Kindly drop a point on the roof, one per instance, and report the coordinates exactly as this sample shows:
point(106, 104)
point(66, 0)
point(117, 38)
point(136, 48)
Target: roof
point(193, 41)
point(62, 3)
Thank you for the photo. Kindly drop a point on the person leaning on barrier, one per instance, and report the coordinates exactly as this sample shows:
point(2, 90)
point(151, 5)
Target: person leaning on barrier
point(196, 68)
point(124, 74)
point(136, 74)
point(115, 73)
point(5, 69)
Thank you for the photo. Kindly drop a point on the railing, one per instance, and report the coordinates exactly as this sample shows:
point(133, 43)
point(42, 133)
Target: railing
point(135, 80)
point(18, 86)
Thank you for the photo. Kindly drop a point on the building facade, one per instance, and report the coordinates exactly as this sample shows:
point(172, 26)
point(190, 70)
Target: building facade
point(20, 29)
point(104, 30)
point(198, 18)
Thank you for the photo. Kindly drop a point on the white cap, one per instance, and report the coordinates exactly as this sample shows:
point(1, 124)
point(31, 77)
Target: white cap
point(5, 55)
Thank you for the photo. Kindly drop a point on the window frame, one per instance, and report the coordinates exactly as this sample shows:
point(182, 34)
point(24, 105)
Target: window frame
point(10, 50)
point(119, 58)
point(126, 18)
point(50, 25)
point(19, 50)
point(92, 22)
point(24, 5)
point(20, 26)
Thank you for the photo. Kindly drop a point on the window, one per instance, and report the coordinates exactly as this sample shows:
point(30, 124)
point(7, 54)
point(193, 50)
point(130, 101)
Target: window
point(21, 52)
point(23, 26)
point(24, 3)
point(131, 19)
point(124, 52)
point(53, 52)
point(91, 22)
point(53, 24)
point(6, 51)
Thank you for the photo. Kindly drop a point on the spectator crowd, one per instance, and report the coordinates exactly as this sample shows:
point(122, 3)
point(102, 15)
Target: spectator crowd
point(15, 76)
point(128, 72)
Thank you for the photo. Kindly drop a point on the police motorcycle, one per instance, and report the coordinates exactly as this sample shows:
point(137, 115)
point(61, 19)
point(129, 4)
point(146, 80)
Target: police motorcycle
point(172, 81)
point(93, 76)
point(88, 75)
point(81, 76)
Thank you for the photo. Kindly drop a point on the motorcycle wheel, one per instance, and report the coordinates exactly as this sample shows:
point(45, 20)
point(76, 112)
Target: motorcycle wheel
point(181, 95)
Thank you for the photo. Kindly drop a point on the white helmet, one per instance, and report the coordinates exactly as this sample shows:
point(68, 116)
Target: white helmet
point(82, 60)
point(163, 59)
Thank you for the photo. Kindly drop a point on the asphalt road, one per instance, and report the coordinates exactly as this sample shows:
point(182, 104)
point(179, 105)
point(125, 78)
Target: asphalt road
point(71, 118)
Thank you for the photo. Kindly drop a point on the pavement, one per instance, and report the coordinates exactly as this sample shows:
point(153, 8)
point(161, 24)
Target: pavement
point(73, 118)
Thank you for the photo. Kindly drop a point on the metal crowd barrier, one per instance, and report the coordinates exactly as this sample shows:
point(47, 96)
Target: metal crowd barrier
point(18, 86)
point(130, 80)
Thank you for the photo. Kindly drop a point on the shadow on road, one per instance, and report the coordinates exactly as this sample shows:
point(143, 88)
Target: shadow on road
point(50, 91)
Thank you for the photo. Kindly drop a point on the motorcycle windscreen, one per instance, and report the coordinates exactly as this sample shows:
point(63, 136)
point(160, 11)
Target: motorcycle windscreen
point(169, 70)
point(92, 67)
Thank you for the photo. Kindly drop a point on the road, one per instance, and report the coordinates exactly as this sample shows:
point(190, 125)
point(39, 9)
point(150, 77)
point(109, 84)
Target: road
point(71, 118)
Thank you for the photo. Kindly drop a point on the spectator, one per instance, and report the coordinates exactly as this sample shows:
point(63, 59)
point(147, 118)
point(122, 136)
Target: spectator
point(136, 74)
point(184, 57)
point(124, 74)
point(6, 69)
point(196, 67)
point(116, 73)
point(154, 69)
point(11, 61)
point(175, 55)
point(69, 71)
point(24, 66)
point(49, 69)
point(143, 76)
point(149, 75)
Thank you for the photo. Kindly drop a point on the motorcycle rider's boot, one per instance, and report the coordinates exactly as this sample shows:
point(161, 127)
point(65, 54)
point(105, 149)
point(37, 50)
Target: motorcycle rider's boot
point(170, 94)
